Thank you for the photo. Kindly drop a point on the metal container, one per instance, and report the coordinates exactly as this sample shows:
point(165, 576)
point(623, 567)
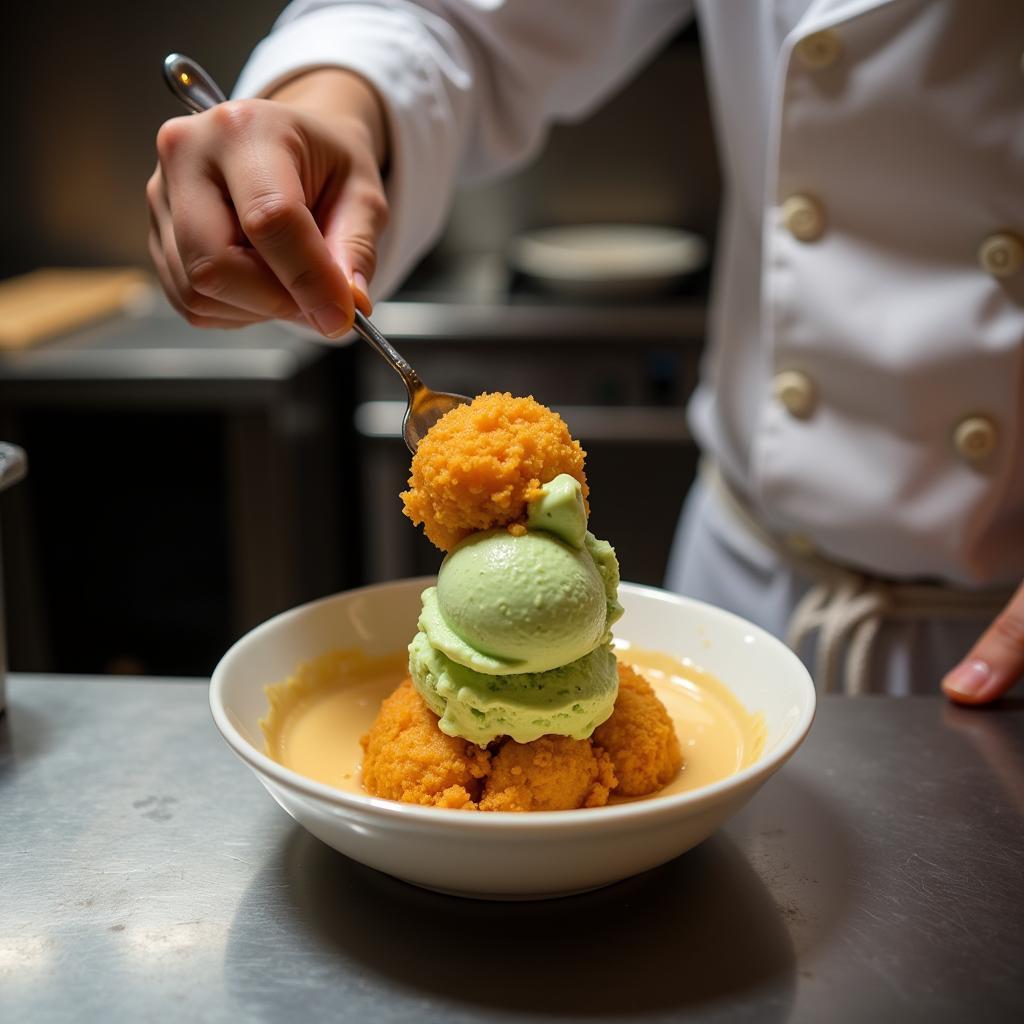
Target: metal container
point(13, 466)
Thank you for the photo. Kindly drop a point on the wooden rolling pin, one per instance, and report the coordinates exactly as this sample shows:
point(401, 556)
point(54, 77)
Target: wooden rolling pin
point(49, 302)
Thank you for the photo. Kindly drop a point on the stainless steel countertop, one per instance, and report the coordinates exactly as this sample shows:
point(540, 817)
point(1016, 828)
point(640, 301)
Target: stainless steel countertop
point(146, 875)
point(154, 342)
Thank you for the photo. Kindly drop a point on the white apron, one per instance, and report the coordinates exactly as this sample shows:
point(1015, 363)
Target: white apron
point(856, 634)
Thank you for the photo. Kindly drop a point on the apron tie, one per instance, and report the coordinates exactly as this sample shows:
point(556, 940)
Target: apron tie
point(845, 609)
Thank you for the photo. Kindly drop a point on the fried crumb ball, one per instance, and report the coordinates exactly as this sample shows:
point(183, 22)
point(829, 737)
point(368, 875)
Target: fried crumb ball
point(408, 758)
point(634, 753)
point(639, 738)
point(553, 773)
point(479, 464)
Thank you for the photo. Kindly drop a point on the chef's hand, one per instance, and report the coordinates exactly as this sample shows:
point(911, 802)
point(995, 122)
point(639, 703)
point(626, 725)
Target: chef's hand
point(271, 208)
point(995, 662)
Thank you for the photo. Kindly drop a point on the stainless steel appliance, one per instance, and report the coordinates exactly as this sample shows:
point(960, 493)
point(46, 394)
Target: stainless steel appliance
point(12, 468)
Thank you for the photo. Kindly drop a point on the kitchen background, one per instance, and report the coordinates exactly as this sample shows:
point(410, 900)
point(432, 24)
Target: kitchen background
point(184, 485)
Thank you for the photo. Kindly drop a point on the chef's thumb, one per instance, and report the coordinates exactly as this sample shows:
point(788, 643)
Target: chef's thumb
point(995, 662)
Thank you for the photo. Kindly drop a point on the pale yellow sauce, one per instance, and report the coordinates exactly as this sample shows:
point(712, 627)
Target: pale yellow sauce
point(317, 716)
point(717, 734)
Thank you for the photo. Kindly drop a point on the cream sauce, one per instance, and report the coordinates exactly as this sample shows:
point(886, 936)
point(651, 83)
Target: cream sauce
point(317, 716)
point(717, 734)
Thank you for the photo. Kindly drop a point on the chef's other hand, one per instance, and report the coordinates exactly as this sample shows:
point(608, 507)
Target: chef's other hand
point(996, 661)
point(271, 208)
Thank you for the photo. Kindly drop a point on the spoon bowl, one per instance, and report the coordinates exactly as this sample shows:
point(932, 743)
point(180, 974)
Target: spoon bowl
point(425, 407)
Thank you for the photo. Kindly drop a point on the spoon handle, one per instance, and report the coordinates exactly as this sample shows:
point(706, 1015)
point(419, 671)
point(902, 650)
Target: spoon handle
point(191, 84)
point(365, 329)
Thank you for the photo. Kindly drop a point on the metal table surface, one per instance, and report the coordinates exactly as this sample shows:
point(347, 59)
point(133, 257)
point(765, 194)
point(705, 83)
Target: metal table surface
point(146, 875)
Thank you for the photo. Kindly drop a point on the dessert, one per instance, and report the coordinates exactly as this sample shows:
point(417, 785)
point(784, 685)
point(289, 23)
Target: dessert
point(319, 714)
point(512, 695)
point(513, 653)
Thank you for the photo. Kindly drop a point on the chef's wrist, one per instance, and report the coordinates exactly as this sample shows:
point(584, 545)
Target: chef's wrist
point(338, 93)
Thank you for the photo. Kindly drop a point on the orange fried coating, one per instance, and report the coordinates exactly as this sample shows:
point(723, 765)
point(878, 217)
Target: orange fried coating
point(634, 753)
point(480, 463)
point(408, 758)
point(639, 738)
point(553, 773)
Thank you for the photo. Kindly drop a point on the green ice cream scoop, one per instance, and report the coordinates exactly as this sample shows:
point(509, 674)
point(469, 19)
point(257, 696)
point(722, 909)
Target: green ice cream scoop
point(514, 639)
point(571, 700)
point(528, 603)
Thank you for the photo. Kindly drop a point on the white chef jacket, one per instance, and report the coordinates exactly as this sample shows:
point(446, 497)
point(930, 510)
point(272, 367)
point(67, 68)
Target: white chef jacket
point(863, 389)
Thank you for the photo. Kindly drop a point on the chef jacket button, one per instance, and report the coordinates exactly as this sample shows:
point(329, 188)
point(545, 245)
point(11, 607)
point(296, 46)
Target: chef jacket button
point(819, 50)
point(804, 217)
point(1001, 254)
point(975, 438)
point(800, 544)
point(796, 392)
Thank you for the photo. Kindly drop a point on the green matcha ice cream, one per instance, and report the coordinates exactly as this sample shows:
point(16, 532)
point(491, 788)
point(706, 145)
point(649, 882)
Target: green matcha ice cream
point(571, 700)
point(515, 637)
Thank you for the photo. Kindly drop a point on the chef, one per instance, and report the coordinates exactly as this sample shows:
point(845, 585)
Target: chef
point(861, 407)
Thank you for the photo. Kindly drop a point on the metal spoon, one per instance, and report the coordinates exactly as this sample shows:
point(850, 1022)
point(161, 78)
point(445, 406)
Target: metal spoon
point(199, 92)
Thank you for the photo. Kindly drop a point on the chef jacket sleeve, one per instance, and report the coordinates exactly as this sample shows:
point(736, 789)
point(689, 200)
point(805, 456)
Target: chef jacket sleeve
point(469, 86)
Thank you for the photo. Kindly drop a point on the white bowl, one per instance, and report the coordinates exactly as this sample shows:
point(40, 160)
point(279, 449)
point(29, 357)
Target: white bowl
point(511, 856)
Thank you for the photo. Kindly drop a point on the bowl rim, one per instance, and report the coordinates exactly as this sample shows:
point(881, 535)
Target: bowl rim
point(510, 821)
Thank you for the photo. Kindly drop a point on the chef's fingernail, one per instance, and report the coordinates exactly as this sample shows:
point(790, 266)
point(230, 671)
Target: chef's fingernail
point(331, 320)
point(969, 678)
point(360, 285)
